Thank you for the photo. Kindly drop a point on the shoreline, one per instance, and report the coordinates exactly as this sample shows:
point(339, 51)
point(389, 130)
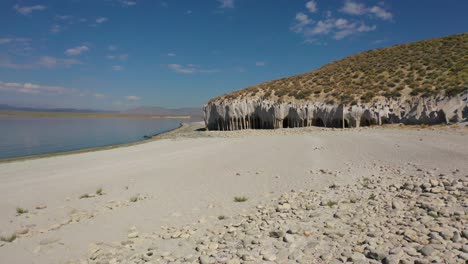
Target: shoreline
point(193, 126)
point(179, 189)
point(101, 148)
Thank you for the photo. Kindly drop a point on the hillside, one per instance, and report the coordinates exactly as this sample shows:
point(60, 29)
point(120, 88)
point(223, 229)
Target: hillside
point(422, 68)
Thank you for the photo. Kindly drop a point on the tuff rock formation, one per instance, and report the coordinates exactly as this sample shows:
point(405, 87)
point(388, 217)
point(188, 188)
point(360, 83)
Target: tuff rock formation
point(255, 113)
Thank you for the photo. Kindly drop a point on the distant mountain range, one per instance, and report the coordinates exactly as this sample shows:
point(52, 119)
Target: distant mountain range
point(147, 110)
point(161, 111)
point(4, 107)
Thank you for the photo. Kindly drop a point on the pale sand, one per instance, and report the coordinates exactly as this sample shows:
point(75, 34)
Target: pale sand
point(192, 177)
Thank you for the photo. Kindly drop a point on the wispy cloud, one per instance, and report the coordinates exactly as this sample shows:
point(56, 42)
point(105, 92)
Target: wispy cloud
point(101, 20)
point(189, 69)
point(121, 57)
point(13, 40)
point(117, 68)
point(301, 21)
point(56, 28)
point(171, 54)
point(355, 8)
point(52, 62)
point(77, 50)
point(112, 47)
point(337, 27)
point(31, 88)
point(260, 63)
point(127, 2)
point(47, 62)
point(27, 10)
point(312, 6)
point(132, 98)
point(226, 3)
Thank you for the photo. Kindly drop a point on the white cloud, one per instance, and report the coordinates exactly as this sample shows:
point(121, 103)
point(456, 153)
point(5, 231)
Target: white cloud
point(14, 40)
point(226, 3)
point(5, 40)
point(171, 54)
point(101, 20)
point(52, 62)
point(351, 29)
point(188, 69)
point(311, 6)
point(112, 48)
point(117, 68)
point(121, 57)
point(336, 27)
point(98, 95)
point(27, 10)
point(30, 88)
point(55, 28)
point(77, 50)
point(260, 63)
point(63, 17)
point(302, 20)
point(381, 13)
point(354, 8)
point(128, 2)
point(339, 28)
point(42, 62)
point(133, 98)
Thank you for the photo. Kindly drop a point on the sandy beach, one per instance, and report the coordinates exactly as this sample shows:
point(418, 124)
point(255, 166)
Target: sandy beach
point(78, 203)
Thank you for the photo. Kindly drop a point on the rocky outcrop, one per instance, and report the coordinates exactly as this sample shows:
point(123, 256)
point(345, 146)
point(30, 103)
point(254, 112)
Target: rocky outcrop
point(255, 113)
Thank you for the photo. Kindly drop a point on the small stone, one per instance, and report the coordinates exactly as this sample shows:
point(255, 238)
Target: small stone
point(204, 259)
point(397, 204)
point(427, 250)
point(465, 233)
point(391, 259)
point(212, 246)
point(268, 256)
point(277, 234)
point(233, 261)
point(376, 254)
point(289, 238)
point(133, 235)
point(411, 235)
point(22, 231)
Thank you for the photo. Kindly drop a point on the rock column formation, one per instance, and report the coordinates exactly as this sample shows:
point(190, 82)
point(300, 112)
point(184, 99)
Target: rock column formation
point(265, 114)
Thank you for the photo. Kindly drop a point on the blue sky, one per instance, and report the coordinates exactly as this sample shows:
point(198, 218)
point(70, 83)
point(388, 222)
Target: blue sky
point(119, 54)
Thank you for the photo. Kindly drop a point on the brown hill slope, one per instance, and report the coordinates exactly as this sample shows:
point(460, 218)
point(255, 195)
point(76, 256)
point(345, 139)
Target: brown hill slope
point(422, 68)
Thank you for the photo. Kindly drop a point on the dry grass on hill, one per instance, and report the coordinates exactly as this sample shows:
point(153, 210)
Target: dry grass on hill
point(422, 68)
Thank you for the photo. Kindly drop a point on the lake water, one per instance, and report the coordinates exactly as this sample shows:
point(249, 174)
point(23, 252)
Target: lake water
point(24, 136)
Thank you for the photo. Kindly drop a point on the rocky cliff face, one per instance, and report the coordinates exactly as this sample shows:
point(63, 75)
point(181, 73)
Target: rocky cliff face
point(254, 113)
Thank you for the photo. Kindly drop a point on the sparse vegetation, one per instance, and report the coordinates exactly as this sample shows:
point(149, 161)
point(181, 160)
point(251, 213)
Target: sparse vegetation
point(134, 199)
point(8, 239)
point(20, 210)
point(99, 191)
point(331, 203)
point(84, 196)
point(423, 68)
point(240, 199)
point(372, 197)
point(221, 217)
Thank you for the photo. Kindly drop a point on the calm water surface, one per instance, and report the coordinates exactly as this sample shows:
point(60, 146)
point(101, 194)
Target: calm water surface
point(24, 136)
